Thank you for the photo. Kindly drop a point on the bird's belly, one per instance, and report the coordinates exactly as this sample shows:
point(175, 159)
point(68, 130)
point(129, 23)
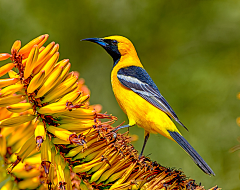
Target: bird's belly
point(142, 113)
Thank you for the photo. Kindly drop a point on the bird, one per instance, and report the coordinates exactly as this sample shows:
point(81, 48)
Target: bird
point(139, 97)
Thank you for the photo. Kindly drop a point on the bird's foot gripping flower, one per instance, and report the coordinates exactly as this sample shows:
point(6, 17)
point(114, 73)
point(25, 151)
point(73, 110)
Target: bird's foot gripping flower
point(50, 137)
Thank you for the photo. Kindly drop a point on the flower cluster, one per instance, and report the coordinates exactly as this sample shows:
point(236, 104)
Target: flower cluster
point(51, 138)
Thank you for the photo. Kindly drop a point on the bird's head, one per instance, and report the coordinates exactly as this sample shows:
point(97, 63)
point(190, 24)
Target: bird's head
point(116, 46)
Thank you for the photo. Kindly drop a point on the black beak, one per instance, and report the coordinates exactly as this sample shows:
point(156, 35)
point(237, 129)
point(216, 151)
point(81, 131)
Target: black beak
point(107, 44)
point(99, 41)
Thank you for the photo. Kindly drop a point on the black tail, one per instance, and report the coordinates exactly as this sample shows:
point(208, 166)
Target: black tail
point(192, 153)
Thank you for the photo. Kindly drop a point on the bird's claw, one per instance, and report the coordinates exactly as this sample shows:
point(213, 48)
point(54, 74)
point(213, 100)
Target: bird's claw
point(114, 135)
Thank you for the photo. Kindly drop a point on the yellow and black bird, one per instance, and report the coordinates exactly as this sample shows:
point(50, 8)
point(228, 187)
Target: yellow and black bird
point(139, 97)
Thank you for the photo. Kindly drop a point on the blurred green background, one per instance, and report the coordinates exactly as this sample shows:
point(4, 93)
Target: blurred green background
point(191, 49)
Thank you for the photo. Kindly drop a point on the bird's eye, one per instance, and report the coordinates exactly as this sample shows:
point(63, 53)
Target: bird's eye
point(114, 42)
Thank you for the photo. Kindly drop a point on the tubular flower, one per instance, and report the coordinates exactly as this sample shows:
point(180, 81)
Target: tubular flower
point(50, 137)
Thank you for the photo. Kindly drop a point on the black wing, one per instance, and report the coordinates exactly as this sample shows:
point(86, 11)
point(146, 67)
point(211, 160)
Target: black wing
point(138, 80)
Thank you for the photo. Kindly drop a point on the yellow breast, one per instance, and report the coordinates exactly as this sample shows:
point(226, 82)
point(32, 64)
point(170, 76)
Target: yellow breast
point(138, 110)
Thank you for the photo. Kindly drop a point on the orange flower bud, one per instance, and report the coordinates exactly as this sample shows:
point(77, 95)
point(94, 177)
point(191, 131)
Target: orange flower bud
point(5, 68)
point(4, 56)
point(16, 46)
point(25, 50)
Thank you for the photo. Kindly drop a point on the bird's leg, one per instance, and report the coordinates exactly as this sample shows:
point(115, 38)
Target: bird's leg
point(121, 127)
point(147, 134)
